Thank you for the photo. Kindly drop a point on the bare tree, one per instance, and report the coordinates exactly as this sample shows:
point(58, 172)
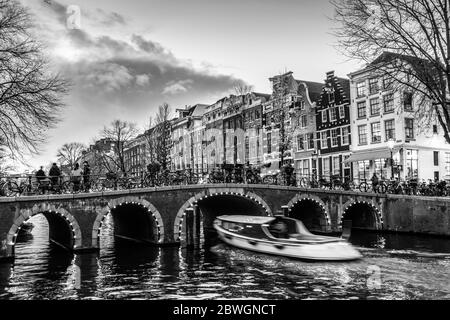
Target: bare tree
point(417, 35)
point(70, 153)
point(5, 165)
point(120, 134)
point(30, 97)
point(161, 135)
point(282, 88)
point(241, 89)
point(150, 141)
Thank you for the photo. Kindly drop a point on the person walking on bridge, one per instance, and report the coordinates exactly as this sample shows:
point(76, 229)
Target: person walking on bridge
point(375, 182)
point(76, 177)
point(86, 176)
point(55, 175)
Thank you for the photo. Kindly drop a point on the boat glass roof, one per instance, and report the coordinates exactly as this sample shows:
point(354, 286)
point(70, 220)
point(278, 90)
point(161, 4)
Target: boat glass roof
point(247, 219)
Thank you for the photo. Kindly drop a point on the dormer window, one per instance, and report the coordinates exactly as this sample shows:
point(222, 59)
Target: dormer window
point(330, 95)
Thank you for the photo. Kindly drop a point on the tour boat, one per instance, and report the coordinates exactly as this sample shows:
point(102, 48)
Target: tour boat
point(263, 234)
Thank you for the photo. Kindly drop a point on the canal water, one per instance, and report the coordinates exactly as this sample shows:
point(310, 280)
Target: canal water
point(393, 267)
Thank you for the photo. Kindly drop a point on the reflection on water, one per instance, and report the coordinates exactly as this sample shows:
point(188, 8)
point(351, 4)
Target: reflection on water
point(410, 267)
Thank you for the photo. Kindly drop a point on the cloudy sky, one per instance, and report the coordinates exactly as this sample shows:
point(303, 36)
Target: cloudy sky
point(128, 57)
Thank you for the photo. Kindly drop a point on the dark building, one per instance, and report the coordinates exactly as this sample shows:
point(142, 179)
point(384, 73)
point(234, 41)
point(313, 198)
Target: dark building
point(333, 127)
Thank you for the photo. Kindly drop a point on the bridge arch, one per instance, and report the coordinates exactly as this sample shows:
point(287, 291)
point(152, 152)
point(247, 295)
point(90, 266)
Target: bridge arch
point(113, 204)
point(60, 214)
point(211, 193)
point(314, 215)
point(364, 214)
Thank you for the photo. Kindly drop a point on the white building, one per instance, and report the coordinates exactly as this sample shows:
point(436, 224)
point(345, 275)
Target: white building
point(385, 120)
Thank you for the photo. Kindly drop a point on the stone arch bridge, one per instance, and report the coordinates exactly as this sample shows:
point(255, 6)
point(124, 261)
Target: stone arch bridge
point(158, 215)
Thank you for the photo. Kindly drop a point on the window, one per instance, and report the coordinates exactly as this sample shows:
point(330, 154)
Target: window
point(362, 134)
point(363, 169)
point(389, 129)
point(311, 141)
point(300, 142)
point(269, 142)
point(305, 168)
point(388, 101)
point(326, 167)
point(302, 105)
point(307, 141)
point(334, 137)
point(361, 106)
point(324, 116)
point(347, 164)
point(323, 140)
point(380, 167)
point(361, 89)
point(341, 112)
point(336, 165)
point(333, 114)
point(345, 136)
point(331, 96)
point(435, 129)
point(373, 85)
point(247, 149)
point(436, 158)
point(257, 149)
point(374, 107)
point(303, 121)
point(407, 101)
point(376, 132)
point(412, 164)
point(409, 128)
point(447, 163)
point(387, 83)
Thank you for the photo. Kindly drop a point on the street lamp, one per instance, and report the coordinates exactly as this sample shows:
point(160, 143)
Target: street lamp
point(391, 143)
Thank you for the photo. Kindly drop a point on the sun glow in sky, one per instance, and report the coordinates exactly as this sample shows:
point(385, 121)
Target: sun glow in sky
point(128, 57)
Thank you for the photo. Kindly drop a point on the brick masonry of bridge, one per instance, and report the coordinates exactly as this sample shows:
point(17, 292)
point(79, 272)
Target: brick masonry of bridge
point(156, 215)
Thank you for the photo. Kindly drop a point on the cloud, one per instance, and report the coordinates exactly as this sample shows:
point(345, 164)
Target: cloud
point(177, 87)
point(108, 19)
point(143, 80)
point(108, 76)
point(116, 76)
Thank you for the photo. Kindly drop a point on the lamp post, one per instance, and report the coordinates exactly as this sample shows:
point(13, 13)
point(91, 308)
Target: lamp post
point(391, 144)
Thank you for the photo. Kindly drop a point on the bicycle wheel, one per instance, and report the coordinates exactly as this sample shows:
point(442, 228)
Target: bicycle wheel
point(10, 189)
point(382, 188)
point(267, 180)
point(97, 186)
point(365, 187)
point(337, 185)
point(351, 185)
point(68, 187)
point(303, 183)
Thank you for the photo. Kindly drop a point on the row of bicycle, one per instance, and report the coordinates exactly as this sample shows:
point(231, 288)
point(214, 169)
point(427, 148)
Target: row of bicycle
point(31, 185)
point(12, 186)
point(408, 187)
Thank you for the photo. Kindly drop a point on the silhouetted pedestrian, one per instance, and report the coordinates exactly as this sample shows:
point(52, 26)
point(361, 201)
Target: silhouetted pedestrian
point(86, 176)
point(76, 177)
point(54, 175)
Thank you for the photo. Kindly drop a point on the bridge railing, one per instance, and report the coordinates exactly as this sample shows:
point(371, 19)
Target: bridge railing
point(17, 185)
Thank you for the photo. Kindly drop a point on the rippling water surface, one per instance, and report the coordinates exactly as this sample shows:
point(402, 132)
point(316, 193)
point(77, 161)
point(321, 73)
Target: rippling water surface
point(393, 267)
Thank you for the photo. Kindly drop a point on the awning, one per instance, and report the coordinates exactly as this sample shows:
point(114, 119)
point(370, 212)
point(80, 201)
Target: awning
point(383, 153)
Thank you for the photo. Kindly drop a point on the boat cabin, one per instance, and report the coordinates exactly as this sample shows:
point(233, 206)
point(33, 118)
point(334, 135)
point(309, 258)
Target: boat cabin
point(264, 227)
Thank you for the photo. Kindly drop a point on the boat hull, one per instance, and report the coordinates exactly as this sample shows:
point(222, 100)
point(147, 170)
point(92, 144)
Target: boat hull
point(329, 251)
